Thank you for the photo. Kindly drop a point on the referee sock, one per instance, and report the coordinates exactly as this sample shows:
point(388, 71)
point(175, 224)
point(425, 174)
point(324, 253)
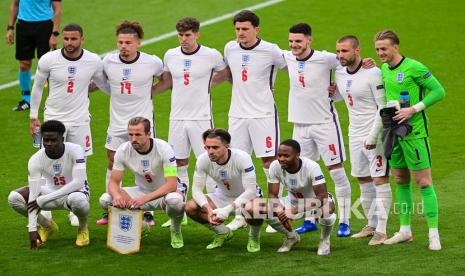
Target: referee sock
point(367, 198)
point(343, 192)
point(405, 202)
point(430, 205)
point(24, 78)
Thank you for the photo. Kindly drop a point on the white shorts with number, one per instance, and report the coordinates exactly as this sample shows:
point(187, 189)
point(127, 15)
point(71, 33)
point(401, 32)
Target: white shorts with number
point(258, 134)
point(80, 135)
point(365, 162)
point(321, 139)
point(186, 135)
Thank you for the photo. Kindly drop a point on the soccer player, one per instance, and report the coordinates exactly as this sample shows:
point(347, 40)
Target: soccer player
point(153, 163)
point(35, 30)
point(307, 192)
point(62, 166)
point(412, 153)
point(363, 92)
point(315, 119)
point(188, 69)
point(234, 171)
point(130, 75)
point(253, 117)
point(69, 71)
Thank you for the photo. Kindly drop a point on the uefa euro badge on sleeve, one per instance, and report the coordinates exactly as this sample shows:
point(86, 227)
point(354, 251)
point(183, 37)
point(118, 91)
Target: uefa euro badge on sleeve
point(124, 230)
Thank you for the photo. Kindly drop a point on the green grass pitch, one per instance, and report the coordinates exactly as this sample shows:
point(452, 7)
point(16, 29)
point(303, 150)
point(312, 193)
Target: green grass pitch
point(430, 31)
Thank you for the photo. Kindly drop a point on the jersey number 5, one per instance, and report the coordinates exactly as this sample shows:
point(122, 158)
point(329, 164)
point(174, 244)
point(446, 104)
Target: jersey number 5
point(186, 78)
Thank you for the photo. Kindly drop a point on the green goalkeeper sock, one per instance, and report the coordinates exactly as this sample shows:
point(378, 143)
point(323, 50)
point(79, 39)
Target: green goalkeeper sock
point(430, 205)
point(405, 201)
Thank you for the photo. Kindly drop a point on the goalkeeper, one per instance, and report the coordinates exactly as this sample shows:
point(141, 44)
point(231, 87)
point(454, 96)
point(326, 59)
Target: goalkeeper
point(411, 153)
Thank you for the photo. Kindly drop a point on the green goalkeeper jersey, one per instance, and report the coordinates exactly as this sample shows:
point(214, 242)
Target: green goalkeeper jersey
point(415, 78)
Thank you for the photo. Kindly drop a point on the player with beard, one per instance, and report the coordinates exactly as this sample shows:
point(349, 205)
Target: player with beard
point(69, 71)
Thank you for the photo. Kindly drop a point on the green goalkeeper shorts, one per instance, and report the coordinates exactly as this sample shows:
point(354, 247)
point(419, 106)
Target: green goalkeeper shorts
point(413, 154)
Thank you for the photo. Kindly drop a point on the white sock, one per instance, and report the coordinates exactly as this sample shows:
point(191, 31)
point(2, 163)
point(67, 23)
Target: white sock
point(406, 229)
point(107, 180)
point(433, 232)
point(254, 230)
point(343, 192)
point(175, 210)
point(383, 204)
point(367, 198)
point(218, 229)
point(327, 226)
point(278, 226)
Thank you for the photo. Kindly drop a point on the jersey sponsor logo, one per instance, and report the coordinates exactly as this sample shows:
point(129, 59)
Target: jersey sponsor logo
point(80, 161)
point(125, 222)
point(400, 77)
point(380, 87)
point(427, 75)
point(126, 73)
point(320, 177)
point(57, 168)
point(172, 159)
point(145, 165)
point(251, 168)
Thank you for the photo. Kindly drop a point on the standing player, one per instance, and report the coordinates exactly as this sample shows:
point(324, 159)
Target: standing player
point(234, 171)
point(189, 69)
point(305, 182)
point(130, 76)
point(363, 93)
point(253, 117)
point(34, 30)
point(315, 119)
point(411, 153)
point(153, 163)
point(63, 167)
point(69, 72)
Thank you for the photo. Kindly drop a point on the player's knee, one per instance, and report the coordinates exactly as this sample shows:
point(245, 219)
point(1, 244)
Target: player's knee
point(191, 208)
point(328, 220)
point(424, 182)
point(105, 200)
point(17, 202)
point(174, 203)
point(78, 203)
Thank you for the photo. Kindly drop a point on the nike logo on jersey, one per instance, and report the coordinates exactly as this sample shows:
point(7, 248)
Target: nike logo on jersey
point(333, 158)
point(268, 151)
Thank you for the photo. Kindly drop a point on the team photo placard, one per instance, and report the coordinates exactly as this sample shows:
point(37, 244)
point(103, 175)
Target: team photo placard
point(124, 230)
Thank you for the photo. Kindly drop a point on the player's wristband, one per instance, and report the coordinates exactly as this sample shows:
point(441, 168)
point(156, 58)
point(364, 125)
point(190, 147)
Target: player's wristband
point(419, 106)
point(10, 27)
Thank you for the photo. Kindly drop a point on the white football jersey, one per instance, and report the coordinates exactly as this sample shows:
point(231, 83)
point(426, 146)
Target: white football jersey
point(58, 172)
point(192, 74)
point(253, 72)
point(309, 101)
point(148, 168)
point(299, 184)
point(68, 81)
point(231, 177)
point(131, 89)
point(363, 93)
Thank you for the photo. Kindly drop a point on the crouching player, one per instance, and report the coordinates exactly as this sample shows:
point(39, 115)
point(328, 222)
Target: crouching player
point(306, 187)
point(153, 163)
point(63, 167)
point(234, 172)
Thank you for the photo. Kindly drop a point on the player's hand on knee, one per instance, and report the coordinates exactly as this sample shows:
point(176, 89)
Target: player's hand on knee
point(35, 239)
point(119, 202)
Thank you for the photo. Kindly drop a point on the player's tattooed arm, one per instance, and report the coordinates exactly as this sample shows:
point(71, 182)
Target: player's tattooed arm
point(165, 83)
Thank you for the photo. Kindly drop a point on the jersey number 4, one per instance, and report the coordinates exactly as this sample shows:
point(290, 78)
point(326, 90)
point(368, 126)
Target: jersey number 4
point(125, 86)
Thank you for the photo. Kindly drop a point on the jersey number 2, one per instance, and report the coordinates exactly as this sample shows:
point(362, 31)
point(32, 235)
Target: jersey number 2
point(70, 87)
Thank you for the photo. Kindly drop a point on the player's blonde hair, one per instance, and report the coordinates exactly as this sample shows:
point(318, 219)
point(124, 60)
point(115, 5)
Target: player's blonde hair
point(388, 34)
point(140, 120)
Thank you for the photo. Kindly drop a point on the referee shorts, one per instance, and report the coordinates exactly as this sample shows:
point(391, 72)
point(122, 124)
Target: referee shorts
point(31, 36)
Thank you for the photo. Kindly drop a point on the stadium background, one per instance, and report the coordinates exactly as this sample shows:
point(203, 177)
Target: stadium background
point(430, 31)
